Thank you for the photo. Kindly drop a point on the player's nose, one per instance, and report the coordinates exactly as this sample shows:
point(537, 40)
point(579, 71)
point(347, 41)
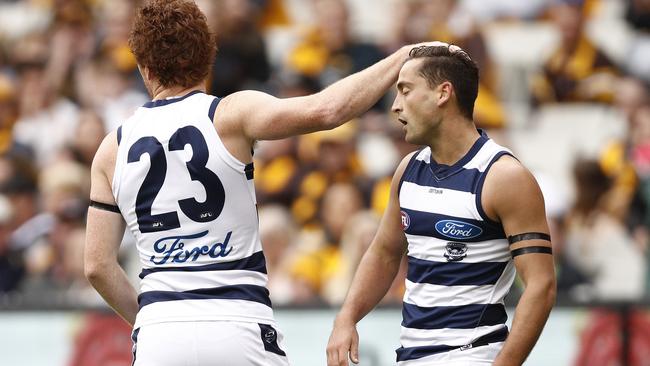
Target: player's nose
point(397, 105)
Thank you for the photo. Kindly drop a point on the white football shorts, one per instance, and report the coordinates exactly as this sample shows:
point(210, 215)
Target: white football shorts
point(208, 343)
point(479, 356)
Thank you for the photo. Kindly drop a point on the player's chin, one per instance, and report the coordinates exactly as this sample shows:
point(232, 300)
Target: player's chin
point(410, 138)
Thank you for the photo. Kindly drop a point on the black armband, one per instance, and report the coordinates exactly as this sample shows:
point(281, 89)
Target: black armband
point(528, 236)
point(530, 250)
point(104, 206)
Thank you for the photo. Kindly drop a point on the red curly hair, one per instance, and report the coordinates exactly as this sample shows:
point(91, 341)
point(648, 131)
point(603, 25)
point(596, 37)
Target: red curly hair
point(171, 38)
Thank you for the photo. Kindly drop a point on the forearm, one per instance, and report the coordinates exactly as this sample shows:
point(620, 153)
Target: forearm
point(530, 316)
point(372, 280)
point(112, 283)
point(355, 94)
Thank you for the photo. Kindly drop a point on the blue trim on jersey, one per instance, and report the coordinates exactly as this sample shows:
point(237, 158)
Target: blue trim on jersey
point(235, 292)
point(424, 224)
point(119, 135)
point(479, 189)
point(414, 353)
point(213, 108)
point(249, 170)
point(442, 171)
point(458, 317)
point(407, 170)
point(162, 102)
point(465, 180)
point(454, 273)
point(255, 262)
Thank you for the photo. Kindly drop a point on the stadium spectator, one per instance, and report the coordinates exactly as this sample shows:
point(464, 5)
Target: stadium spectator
point(278, 234)
point(595, 230)
point(328, 51)
point(11, 262)
point(242, 62)
point(577, 71)
point(318, 265)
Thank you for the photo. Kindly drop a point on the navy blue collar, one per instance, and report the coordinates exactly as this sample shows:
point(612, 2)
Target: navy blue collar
point(442, 171)
point(162, 102)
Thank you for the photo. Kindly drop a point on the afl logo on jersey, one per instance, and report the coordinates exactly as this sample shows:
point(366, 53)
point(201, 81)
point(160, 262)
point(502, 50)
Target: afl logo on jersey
point(458, 229)
point(406, 220)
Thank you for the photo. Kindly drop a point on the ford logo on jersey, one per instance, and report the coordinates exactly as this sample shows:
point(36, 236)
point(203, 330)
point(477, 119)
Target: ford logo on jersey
point(172, 249)
point(458, 229)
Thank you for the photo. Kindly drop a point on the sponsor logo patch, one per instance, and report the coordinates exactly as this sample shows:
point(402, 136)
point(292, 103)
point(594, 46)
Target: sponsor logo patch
point(455, 229)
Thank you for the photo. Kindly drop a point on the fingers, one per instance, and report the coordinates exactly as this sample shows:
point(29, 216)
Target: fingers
point(354, 349)
point(343, 356)
point(335, 353)
point(337, 356)
point(332, 357)
point(343, 343)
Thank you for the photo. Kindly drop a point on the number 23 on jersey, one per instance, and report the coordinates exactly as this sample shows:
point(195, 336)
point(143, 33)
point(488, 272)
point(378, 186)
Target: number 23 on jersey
point(205, 211)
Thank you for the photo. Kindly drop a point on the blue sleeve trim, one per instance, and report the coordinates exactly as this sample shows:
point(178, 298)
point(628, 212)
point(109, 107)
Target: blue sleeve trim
point(406, 170)
point(249, 170)
point(213, 108)
point(479, 189)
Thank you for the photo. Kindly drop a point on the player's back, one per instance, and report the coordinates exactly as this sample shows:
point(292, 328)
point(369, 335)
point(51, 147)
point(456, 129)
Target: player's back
point(191, 207)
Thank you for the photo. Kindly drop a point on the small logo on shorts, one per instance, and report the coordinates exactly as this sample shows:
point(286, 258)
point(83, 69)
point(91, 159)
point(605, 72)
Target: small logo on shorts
point(455, 252)
point(406, 220)
point(269, 336)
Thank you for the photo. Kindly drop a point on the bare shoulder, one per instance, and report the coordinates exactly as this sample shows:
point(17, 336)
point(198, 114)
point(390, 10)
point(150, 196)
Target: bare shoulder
point(102, 170)
point(510, 186)
point(106, 154)
point(399, 172)
point(241, 103)
point(508, 170)
point(235, 109)
point(224, 113)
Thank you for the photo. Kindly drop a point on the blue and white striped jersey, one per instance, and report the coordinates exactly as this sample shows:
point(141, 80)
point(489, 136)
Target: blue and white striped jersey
point(459, 263)
point(191, 206)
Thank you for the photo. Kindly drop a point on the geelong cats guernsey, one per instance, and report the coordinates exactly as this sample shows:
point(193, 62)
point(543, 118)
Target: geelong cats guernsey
point(459, 263)
point(192, 209)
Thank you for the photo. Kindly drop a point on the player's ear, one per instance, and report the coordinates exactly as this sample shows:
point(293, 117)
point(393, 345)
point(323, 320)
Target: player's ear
point(148, 73)
point(445, 89)
point(145, 72)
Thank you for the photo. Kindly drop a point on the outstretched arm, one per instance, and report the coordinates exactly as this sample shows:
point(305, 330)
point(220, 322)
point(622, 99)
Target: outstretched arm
point(263, 117)
point(372, 280)
point(104, 232)
point(520, 209)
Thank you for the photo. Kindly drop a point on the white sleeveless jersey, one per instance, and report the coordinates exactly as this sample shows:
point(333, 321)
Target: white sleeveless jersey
point(191, 207)
point(459, 263)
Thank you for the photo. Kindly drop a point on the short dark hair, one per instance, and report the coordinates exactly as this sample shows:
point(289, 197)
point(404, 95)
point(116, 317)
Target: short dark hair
point(444, 63)
point(172, 39)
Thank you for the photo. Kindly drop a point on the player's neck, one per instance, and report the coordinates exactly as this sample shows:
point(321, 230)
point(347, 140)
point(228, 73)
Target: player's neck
point(453, 141)
point(174, 91)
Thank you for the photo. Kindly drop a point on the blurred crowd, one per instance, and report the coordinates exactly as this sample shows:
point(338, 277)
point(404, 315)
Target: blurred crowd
point(67, 78)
